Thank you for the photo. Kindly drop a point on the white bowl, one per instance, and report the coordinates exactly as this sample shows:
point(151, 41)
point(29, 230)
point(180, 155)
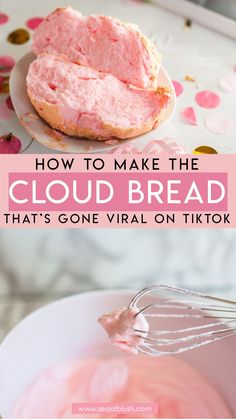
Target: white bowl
point(40, 131)
point(67, 329)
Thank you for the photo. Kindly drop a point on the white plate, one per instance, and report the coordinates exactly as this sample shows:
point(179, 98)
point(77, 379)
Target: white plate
point(40, 130)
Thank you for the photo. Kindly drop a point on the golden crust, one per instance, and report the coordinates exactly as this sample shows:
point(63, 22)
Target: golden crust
point(155, 60)
point(51, 114)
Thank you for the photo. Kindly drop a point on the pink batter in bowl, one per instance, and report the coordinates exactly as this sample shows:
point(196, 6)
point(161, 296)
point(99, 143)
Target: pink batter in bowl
point(67, 333)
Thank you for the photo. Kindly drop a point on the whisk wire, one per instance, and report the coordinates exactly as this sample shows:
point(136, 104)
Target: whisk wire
point(171, 307)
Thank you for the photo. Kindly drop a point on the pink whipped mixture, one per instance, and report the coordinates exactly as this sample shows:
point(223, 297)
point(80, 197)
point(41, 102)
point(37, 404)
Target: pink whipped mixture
point(101, 96)
point(179, 390)
point(125, 328)
point(101, 42)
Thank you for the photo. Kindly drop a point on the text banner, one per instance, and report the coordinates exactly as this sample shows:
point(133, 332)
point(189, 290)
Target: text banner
point(117, 191)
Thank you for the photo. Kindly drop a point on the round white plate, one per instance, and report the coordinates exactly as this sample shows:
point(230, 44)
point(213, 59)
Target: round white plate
point(42, 132)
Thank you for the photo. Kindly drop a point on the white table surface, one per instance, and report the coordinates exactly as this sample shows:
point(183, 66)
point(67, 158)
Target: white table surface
point(38, 266)
point(198, 52)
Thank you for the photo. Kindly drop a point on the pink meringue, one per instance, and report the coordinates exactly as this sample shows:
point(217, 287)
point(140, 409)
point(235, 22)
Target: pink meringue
point(120, 326)
point(178, 389)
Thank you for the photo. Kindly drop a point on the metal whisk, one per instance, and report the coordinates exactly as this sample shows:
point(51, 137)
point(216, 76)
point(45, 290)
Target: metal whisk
point(184, 320)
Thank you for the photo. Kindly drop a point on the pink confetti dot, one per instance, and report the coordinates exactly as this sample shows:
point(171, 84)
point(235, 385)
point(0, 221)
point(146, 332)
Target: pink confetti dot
point(178, 87)
point(34, 22)
point(207, 99)
point(228, 83)
point(9, 103)
point(189, 115)
point(9, 144)
point(3, 18)
point(219, 123)
point(6, 63)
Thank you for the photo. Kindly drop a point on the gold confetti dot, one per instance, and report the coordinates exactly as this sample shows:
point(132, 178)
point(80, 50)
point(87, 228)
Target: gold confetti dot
point(4, 88)
point(188, 24)
point(5, 69)
point(18, 37)
point(189, 78)
point(204, 149)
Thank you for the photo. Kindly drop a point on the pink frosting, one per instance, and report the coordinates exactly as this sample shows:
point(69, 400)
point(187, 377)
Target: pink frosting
point(179, 390)
point(89, 98)
point(100, 42)
point(120, 326)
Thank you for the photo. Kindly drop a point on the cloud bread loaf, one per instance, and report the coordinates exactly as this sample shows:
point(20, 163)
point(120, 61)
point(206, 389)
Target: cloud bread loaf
point(95, 77)
point(100, 42)
point(83, 102)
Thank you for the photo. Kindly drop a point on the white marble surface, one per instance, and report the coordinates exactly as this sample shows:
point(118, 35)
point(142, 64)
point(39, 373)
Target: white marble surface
point(37, 266)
